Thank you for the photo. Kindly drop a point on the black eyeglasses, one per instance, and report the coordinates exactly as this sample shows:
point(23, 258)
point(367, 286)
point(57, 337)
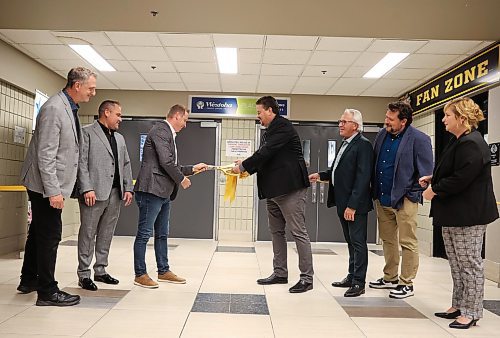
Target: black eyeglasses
point(344, 122)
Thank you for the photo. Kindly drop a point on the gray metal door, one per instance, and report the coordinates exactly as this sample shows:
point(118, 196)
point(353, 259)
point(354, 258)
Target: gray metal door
point(193, 211)
point(320, 143)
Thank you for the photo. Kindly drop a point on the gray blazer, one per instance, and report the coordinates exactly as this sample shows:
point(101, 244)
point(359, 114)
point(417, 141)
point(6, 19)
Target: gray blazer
point(97, 163)
point(159, 175)
point(51, 165)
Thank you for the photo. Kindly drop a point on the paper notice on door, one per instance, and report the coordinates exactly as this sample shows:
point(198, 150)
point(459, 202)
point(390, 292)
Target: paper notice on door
point(238, 148)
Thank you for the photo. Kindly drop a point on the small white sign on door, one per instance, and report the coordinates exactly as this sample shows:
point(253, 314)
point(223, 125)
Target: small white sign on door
point(239, 148)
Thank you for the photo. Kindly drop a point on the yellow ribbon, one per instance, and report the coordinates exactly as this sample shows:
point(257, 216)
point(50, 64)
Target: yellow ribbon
point(231, 181)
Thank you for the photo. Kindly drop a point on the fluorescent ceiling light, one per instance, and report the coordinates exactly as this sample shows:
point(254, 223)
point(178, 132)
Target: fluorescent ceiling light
point(387, 63)
point(92, 57)
point(227, 58)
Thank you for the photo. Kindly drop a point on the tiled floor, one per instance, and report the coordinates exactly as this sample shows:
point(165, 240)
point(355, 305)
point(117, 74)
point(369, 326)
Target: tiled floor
point(222, 299)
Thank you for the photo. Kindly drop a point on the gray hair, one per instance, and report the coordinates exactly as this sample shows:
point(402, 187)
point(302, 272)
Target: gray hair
point(357, 117)
point(79, 74)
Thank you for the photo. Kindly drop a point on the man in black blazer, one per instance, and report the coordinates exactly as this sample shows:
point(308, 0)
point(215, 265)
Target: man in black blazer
point(282, 180)
point(349, 189)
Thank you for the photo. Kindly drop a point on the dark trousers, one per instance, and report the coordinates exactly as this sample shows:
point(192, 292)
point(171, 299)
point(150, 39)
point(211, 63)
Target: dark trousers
point(40, 252)
point(355, 236)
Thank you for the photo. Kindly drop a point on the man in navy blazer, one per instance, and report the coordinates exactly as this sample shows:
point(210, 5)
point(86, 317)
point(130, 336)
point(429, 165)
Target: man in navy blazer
point(349, 190)
point(402, 155)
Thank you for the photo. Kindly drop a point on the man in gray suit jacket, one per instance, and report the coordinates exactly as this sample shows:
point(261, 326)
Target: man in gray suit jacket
point(49, 174)
point(104, 179)
point(157, 185)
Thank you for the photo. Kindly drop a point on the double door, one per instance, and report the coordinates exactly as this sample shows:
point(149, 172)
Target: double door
point(192, 213)
point(320, 144)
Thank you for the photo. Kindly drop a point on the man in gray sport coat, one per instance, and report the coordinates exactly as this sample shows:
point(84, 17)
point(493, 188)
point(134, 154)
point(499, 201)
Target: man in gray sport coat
point(49, 175)
point(157, 184)
point(104, 179)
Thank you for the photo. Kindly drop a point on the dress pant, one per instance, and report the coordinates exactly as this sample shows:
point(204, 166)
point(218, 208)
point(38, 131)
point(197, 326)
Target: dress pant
point(43, 239)
point(463, 246)
point(355, 233)
point(289, 210)
point(398, 227)
point(97, 226)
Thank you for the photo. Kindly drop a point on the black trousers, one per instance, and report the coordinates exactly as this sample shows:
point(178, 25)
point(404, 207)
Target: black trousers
point(40, 252)
point(355, 234)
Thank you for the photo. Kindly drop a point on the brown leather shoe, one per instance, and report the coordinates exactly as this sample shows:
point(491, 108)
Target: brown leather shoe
point(171, 277)
point(145, 281)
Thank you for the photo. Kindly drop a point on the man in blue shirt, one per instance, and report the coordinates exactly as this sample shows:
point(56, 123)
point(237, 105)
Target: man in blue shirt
point(402, 155)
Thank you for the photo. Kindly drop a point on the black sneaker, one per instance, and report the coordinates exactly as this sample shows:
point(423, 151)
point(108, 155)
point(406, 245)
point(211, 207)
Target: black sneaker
point(381, 283)
point(402, 291)
point(59, 298)
point(24, 289)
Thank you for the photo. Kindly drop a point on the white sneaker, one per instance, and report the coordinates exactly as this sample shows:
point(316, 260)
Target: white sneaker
point(381, 283)
point(402, 291)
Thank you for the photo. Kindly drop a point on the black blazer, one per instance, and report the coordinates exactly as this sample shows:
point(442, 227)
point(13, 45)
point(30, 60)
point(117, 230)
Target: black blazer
point(352, 178)
point(463, 184)
point(279, 162)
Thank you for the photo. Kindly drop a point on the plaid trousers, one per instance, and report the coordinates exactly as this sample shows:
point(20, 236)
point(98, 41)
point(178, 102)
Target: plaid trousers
point(463, 246)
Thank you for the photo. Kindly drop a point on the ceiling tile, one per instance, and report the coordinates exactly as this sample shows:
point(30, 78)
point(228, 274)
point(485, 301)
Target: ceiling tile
point(191, 54)
point(482, 45)
point(350, 86)
point(239, 83)
point(248, 68)
point(54, 52)
point(333, 58)
point(204, 87)
point(276, 84)
point(331, 71)
point(313, 85)
point(290, 70)
point(128, 80)
point(396, 46)
point(238, 40)
point(408, 73)
point(387, 87)
point(179, 86)
point(143, 53)
point(448, 47)
point(291, 42)
point(368, 59)
point(66, 65)
point(199, 78)
point(30, 36)
point(160, 67)
point(294, 57)
point(186, 40)
point(431, 61)
point(161, 77)
point(104, 83)
point(196, 67)
point(343, 44)
point(109, 52)
point(91, 38)
point(134, 38)
point(121, 66)
point(246, 55)
point(356, 71)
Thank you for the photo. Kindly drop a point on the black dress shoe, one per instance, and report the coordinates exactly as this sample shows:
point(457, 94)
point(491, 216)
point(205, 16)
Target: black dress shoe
point(59, 298)
point(27, 288)
point(301, 286)
point(273, 279)
point(344, 283)
point(448, 315)
point(106, 279)
point(457, 325)
point(87, 284)
point(354, 291)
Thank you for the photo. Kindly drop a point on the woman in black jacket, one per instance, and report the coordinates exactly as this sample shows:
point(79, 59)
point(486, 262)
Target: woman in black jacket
point(463, 203)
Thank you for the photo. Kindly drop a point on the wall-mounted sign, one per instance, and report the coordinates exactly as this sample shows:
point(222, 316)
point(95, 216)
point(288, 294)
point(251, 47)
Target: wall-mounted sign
point(494, 150)
point(238, 148)
point(40, 99)
point(19, 134)
point(478, 72)
point(231, 105)
point(141, 145)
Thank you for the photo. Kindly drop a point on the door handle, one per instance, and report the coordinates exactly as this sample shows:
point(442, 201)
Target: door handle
point(322, 193)
point(314, 188)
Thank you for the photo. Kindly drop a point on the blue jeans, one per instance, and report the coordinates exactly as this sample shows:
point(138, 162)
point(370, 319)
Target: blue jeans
point(154, 212)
